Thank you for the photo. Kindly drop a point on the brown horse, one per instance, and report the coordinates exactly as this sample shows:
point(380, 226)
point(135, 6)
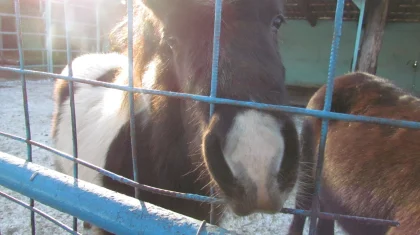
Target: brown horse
point(250, 157)
point(370, 170)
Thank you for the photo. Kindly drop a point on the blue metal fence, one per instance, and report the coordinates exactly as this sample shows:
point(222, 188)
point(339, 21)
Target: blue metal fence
point(126, 215)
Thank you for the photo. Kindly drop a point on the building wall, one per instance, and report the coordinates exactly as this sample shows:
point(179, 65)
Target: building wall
point(306, 52)
point(82, 26)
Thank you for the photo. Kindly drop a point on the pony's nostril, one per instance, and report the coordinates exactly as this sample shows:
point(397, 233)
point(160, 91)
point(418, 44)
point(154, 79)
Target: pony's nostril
point(215, 160)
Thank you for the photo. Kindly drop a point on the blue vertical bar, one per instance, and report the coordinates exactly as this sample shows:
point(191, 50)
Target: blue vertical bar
point(215, 70)
point(71, 91)
point(44, 62)
point(338, 22)
point(48, 37)
point(1, 38)
point(25, 100)
point(98, 26)
point(131, 97)
point(358, 35)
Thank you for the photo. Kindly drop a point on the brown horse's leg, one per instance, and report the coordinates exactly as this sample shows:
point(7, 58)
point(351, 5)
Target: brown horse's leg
point(325, 227)
point(303, 202)
point(306, 185)
point(98, 231)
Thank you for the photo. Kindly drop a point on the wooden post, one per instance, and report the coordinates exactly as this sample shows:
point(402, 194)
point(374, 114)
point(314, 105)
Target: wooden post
point(376, 16)
point(305, 8)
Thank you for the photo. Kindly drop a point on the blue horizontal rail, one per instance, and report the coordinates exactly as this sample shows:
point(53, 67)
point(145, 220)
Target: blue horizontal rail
point(206, 99)
point(72, 4)
point(43, 34)
point(42, 18)
point(39, 49)
point(112, 211)
point(114, 176)
point(187, 196)
point(39, 65)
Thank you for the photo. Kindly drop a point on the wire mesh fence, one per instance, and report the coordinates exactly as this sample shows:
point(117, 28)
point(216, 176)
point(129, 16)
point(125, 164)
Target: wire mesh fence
point(95, 42)
point(43, 32)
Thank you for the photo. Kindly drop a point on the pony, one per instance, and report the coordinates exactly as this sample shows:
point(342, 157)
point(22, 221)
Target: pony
point(250, 157)
point(370, 170)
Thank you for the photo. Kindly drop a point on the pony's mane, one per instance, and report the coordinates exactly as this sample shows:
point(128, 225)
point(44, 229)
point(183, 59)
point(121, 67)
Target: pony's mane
point(146, 31)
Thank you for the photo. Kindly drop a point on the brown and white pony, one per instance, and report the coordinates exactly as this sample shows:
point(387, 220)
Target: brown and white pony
point(250, 156)
point(370, 170)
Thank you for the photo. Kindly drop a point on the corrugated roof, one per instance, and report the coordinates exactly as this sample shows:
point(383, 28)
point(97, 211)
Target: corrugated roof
point(399, 10)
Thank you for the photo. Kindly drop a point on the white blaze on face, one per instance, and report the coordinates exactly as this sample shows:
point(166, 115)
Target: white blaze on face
point(255, 144)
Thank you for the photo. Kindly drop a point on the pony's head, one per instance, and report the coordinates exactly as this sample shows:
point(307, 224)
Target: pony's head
point(251, 155)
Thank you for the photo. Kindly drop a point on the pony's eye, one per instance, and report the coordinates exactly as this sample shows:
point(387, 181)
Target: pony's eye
point(277, 22)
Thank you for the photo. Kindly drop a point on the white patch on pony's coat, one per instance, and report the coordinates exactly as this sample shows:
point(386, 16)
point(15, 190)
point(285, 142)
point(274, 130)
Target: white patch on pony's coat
point(99, 117)
point(93, 66)
point(255, 143)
